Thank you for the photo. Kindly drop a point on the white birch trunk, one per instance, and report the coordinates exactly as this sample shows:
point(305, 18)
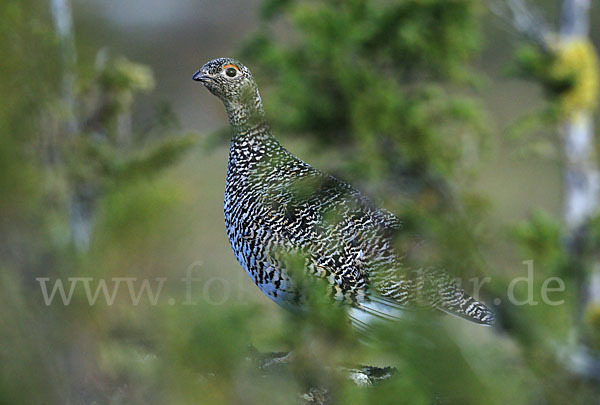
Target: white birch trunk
point(63, 23)
point(581, 174)
point(82, 197)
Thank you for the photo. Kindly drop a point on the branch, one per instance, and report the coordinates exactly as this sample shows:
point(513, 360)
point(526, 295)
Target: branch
point(574, 18)
point(527, 21)
point(277, 363)
point(63, 23)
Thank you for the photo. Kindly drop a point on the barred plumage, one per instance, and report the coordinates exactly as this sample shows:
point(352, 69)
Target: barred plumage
point(276, 204)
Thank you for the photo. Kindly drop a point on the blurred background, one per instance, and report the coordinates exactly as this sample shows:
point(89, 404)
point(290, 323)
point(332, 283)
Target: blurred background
point(472, 121)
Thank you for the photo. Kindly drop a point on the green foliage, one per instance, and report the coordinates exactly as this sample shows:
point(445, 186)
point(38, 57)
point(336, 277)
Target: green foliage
point(384, 89)
point(542, 239)
point(25, 376)
point(533, 63)
point(592, 245)
point(109, 151)
point(385, 84)
point(108, 165)
point(157, 157)
point(24, 101)
point(568, 73)
point(379, 86)
point(408, 35)
point(47, 349)
point(129, 213)
point(107, 154)
point(119, 80)
point(567, 70)
point(21, 378)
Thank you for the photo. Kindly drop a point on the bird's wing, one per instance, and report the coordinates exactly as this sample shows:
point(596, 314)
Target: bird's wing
point(338, 230)
point(347, 240)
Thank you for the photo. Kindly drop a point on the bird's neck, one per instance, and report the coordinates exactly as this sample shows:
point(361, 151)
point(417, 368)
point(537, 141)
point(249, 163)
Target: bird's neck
point(247, 117)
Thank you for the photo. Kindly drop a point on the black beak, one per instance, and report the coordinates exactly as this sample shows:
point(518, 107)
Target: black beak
point(201, 77)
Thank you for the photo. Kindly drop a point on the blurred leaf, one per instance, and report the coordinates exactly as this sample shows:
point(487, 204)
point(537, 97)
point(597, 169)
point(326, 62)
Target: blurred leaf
point(542, 239)
point(154, 159)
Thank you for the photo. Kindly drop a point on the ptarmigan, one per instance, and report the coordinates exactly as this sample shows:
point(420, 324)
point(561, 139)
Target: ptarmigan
point(276, 204)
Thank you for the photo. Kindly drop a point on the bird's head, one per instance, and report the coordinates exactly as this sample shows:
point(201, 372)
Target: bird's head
point(233, 83)
point(227, 79)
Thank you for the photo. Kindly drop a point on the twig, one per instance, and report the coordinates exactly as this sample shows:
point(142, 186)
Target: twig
point(525, 20)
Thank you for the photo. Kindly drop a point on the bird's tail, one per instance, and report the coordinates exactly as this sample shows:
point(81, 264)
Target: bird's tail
point(429, 289)
point(471, 310)
point(455, 301)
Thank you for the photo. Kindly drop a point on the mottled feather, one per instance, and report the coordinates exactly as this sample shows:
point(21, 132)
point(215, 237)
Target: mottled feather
point(276, 204)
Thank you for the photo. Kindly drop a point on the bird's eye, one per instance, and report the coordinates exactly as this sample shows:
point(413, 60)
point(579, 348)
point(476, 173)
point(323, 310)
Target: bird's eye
point(231, 72)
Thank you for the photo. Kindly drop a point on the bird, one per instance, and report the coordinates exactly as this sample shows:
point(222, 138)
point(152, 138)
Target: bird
point(277, 205)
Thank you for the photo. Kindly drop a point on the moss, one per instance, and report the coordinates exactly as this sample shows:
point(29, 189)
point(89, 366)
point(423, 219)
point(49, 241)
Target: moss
point(568, 72)
point(577, 60)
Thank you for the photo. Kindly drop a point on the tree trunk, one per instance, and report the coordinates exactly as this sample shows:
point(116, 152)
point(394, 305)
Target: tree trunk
point(82, 197)
point(63, 23)
point(581, 174)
